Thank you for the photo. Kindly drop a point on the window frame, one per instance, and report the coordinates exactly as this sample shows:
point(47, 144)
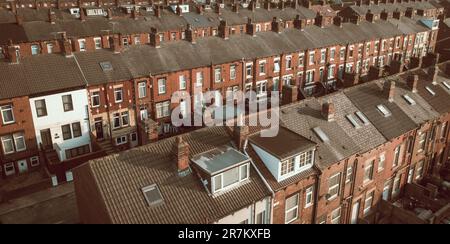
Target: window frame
point(11, 109)
point(68, 103)
point(294, 208)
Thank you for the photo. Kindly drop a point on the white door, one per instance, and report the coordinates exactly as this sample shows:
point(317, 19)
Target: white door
point(23, 166)
point(355, 213)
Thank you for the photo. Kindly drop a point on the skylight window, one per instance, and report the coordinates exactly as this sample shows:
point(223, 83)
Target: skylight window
point(409, 99)
point(430, 91)
point(152, 195)
point(352, 120)
point(384, 110)
point(362, 117)
point(106, 66)
point(319, 132)
point(446, 85)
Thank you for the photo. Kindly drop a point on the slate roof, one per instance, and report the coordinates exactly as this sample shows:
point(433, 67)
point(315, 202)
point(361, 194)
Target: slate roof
point(390, 7)
point(39, 74)
point(120, 178)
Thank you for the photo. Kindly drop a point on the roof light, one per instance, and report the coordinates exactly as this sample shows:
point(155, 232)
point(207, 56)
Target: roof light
point(384, 110)
point(106, 66)
point(319, 132)
point(362, 117)
point(152, 195)
point(409, 99)
point(352, 121)
point(446, 85)
point(430, 91)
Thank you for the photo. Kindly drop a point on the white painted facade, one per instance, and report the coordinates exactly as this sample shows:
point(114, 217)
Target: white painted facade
point(250, 213)
point(57, 117)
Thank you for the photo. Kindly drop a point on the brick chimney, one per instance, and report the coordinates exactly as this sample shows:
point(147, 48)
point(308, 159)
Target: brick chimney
point(58, 4)
point(51, 17)
point(134, 14)
point(217, 9)
point(19, 20)
point(307, 4)
point(328, 111)
point(267, 5)
point(396, 14)
point(389, 90)
point(110, 14)
point(158, 11)
point(252, 6)
point(13, 53)
point(154, 38)
point(355, 19)
point(298, 23)
point(99, 3)
point(294, 4)
point(290, 94)
point(384, 15)
point(190, 35)
point(409, 12)
point(223, 29)
point(337, 21)
point(281, 5)
point(181, 153)
point(251, 28)
point(359, 2)
point(235, 8)
point(276, 25)
point(375, 72)
point(66, 47)
point(13, 7)
point(199, 9)
point(433, 72)
point(351, 79)
point(376, 2)
point(369, 16)
point(412, 81)
point(241, 134)
point(319, 21)
point(117, 48)
point(82, 15)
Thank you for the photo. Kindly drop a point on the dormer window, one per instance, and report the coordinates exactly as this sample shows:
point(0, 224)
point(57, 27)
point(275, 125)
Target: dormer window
point(230, 178)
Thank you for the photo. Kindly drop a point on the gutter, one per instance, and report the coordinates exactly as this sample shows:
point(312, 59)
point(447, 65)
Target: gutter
point(263, 179)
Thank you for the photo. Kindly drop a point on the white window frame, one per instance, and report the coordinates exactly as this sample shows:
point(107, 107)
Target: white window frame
point(34, 161)
point(332, 187)
point(294, 208)
point(368, 168)
point(337, 219)
point(288, 59)
point(199, 79)
point(82, 43)
point(276, 63)
point(262, 63)
point(123, 140)
point(368, 202)
point(161, 105)
point(162, 83)
point(142, 89)
point(182, 82)
point(4, 108)
point(311, 60)
point(16, 137)
point(381, 162)
point(220, 175)
point(217, 74)
point(8, 139)
point(98, 43)
point(116, 91)
point(9, 172)
point(309, 196)
point(233, 72)
point(93, 95)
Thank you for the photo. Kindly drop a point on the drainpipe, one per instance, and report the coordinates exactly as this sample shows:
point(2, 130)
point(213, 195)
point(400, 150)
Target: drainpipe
point(316, 196)
point(263, 179)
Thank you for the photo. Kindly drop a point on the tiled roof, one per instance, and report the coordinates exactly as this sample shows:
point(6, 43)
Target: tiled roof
point(39, 74)
point(120, 178)
point(390, 7)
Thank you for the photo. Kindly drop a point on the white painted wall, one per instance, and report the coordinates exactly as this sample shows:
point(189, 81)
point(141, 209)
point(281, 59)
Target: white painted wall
point(56, 117)
point(248, 213)
point(272, 163)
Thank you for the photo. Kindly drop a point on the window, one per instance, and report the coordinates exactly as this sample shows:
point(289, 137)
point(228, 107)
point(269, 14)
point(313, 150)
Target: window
point(121, 140)
point(262, 67)
point(322, 56)
point(422, 140)
point(152, 195)
point(95, 99)
point(249, 70)
point(82, 44)
point(199, 79)
point(98, 43)
point(232, 72)
point(162, 86)
point(7, 114)
point(383, 110)
point(125, 119)
point(319, 132)
point(288, 62)
point(311, 58)
point(352, 120)
point(66, 131)
point(134, 137)
point(377, 44)
point(444, 130)
point(261, 218)
point(182, 81)
point(125, 42)
point(368, 203)
point(218, 75)
point(309, 196)
point(305, 159)
point(349, 174)
point(409, 100)
point(331, 69)
point(332, 53)
point(291, 209)
point(137, 40)
point(342, 53)
point(396, 157)
point(367, 48)
point(368, 171)
point(419, 171)
point(276, 65)
point(162, 109)
point(287, 166)
point(230, 177)
point(118, 95)
point(381, 162)
point(334, 185)
point(34, 49)
point(350, 53)
point(309, 76)
point(76, 129)
point(396, 186)
point(77, 151)
point(261, 88)
point(336, 216)
point(41, 108)
point(19, 142)
point(7, 144)
point(116, 120)
point(301, 60)
point(430, 91)
point(50, 47)
point(9, 169)
point(67, 103)
point(34, 161)
point(142, 89)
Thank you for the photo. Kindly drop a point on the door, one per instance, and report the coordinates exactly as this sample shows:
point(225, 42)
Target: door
point(23, 166)
point(46, 138)
point(99, 130)
point(355, 213)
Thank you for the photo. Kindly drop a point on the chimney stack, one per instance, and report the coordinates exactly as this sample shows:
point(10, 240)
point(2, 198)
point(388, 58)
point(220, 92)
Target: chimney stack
point(12, 4)
point(134, 14)
point(307, 4)
point(181, 153)
point(319, 21)
point(337, 21)
point(409, 12)
point(294, 4)
point(117, 48)
point(281, 5)
point(241, 134)
point(200, 9)
point(328, 111)
point(82, 15)
point(290, 94)
point(190, 35)
point(389, 90)
point(154, 38)
point(359, 2)
point(251, 29)
point(217, 9)
point(384, 15)
point(66, 46)
point(51, 17)
point(355, 19)
point(369, 16)
point(267, 5)
point(19, 20)
point(276, 25)
point(376, 2)
point(412, 81)
point(396, 14)
point(236, 8)
point(110, 14)
point(298, 23)
point(252, 6)
point(13, 53)
point(223, 29)
point(158, 11)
